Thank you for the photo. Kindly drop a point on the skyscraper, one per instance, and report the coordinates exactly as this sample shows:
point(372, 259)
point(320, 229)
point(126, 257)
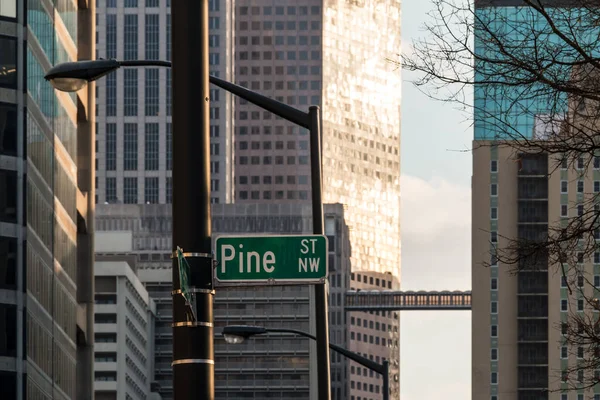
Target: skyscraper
point(334, 54)
point(46, 204)
point(134, 104)
point(519, 349)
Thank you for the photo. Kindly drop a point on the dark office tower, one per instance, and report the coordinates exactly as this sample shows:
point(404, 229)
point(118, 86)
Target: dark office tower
point(134, 104)
point(46, 203)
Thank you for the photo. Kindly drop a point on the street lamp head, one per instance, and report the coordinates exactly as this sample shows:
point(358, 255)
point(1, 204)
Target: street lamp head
point(72, 76)
point(236, 334)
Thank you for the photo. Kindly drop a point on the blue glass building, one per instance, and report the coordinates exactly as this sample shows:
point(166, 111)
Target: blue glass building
point(46, 203)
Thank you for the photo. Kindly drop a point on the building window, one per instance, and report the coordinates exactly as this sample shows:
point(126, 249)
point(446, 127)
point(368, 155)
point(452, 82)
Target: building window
point(111, 95)
point(111, 147)
point(580, 186)
point(130, 191)
point(169, 190)
point(564, 305)
point(130, 37)
point(152, 38)
point(580, 305)
point(494, 378)
point(130, 147)
point(494, 355)
point(494, 284)
point(494, 213)
point(580, 162)
point(564, 187)
point(494, 331)
point(597, 281)
point(494, 189)
point(151, 147)
point(494, 166)
point(596, 162)
point(494, 307)
point(564, 210)
point(494, 236)
point(130, 92)
point(151, 190)
point(151, 92)
point(169, 146)
point(580, 210)
point(111, 190)
point(111, 36)
point(563, 352)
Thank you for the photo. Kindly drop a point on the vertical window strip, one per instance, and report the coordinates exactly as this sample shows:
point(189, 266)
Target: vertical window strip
point(130, 146)
point(151, 147)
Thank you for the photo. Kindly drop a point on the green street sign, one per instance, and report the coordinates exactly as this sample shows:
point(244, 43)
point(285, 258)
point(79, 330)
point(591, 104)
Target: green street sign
point(247, 260)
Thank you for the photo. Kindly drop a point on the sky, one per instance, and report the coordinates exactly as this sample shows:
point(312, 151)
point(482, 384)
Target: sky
point(435, 350)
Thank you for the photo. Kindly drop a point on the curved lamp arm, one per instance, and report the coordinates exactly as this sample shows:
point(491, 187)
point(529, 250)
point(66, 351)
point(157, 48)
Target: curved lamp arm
point(247, 331)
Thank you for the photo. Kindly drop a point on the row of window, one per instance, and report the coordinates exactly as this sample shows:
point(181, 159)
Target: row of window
point(130, 190)
point(564, 186)
point(360, 386)
point(290, 40)
point(280, 10)
point(269, 160)
point(291, 55)
point(130, 146)
point(268, 179)
point(579, 164)
point(277, 195)
point(267, 145)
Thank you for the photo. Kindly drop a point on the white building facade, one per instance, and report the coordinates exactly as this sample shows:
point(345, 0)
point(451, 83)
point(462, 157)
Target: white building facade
point(124, 327)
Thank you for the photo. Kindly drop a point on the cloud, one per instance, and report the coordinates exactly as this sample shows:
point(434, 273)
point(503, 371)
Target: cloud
point(436, 235)
point(436, 246)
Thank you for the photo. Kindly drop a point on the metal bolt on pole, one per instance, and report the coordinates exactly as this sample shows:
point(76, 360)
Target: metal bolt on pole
point(193, 351)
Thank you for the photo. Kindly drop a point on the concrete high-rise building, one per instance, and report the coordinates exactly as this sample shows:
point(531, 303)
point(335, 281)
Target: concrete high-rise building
point(267, 366)
point(334, 54)
point(519, 351)
point(46, 203)
point(134, 156)
point(124, 316)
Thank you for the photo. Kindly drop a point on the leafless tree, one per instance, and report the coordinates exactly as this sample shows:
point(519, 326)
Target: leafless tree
point(534, 72)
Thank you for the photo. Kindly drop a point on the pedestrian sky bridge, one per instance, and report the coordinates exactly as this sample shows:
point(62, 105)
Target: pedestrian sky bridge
point(393, 300)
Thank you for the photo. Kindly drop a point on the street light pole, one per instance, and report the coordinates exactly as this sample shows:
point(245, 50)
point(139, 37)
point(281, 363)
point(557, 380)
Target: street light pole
point(320, 289)
point(193, 351)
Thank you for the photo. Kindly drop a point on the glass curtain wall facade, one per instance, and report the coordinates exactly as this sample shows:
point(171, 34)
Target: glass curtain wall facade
point(134, 104)
point(40, 340)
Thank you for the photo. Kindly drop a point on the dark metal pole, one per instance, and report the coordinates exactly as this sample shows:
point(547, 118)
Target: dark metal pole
point(193, 351)
point(386, 380)
point(320, 312)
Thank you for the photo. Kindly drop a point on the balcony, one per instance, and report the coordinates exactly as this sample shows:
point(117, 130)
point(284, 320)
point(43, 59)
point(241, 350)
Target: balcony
point(532, 330)
point(533, 165)
point(532, 282)
point(533, 188)
point(533, 377)
point(532, 306)
point(533, 354)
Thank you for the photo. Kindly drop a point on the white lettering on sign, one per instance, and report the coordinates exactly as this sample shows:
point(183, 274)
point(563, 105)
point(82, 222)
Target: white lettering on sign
point(305, 263)
point(228, 253)
point(304, 244)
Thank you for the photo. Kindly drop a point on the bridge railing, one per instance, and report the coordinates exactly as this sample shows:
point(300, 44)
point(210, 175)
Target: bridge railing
point(374, 300)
